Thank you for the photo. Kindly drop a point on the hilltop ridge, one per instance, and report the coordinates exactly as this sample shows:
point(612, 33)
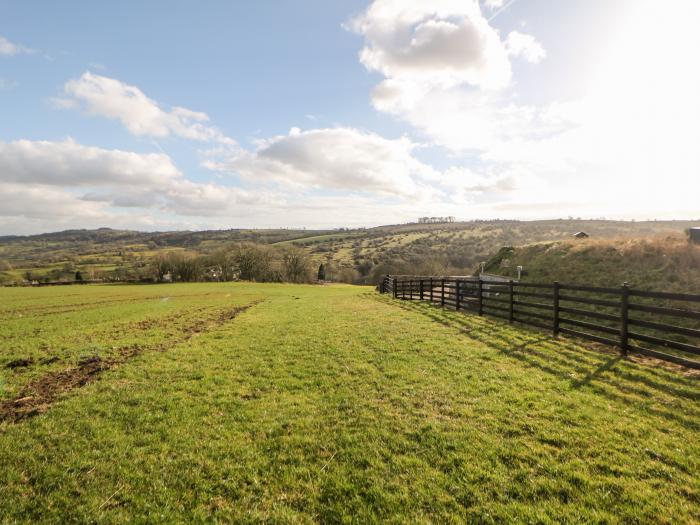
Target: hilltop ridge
point(359, 255)
point(668, 263)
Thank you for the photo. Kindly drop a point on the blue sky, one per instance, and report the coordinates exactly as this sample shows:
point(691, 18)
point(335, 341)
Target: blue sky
point(167, 115)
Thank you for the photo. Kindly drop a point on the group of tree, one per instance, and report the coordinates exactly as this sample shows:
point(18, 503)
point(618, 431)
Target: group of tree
point(435, 220)
point(244, 261)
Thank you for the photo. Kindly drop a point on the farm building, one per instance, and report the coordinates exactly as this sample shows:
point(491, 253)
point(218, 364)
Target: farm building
point(694, 234)
point(581, 235)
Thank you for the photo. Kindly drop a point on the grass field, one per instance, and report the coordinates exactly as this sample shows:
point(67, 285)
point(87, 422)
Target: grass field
point(299, 404)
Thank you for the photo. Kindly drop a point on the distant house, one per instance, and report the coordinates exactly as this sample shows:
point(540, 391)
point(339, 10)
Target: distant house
point(581, 235)
point(694, 234)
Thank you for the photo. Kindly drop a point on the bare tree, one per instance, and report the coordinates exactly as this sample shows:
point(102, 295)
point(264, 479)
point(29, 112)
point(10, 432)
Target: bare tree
point(187, 267)
point(296, 265)
point(161, 266)
point(223, 264)
point(256, 262)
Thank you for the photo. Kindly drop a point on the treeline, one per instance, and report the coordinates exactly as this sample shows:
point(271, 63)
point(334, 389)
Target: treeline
point(245, 261)
point(372, 273)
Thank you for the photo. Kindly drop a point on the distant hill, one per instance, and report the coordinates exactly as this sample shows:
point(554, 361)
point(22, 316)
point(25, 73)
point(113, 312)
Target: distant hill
point(357, 255)
point(662, 263)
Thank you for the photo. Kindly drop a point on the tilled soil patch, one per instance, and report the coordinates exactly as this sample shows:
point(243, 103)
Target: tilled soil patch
point(38, 396)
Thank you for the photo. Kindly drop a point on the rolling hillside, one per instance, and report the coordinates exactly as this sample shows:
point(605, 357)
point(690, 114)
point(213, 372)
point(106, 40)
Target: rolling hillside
point(669, 263)
point(351, 255)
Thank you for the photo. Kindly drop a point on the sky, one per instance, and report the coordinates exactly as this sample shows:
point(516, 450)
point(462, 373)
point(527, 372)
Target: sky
point(167, 115)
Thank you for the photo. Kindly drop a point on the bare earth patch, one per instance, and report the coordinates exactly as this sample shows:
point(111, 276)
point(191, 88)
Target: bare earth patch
point(38, 396)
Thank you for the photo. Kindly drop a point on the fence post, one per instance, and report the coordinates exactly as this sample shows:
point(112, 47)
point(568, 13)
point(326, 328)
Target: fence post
point(442, 292)
point(481, 296)
point(394, 288)
point(555, 306)
point(457, 292)
point(421, 289)
point(431, 289)
point(624, 319)
point(511, 306)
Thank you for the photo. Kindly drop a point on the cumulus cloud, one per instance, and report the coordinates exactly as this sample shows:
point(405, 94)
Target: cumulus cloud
point(633, 134)
point(445, 71)
point(341, 160)
point(55, 185)
point(526, 46)
point(41, 178)
point(70, 163)
point(190, 198)
point(142, 116)
point(40, 201)
point(333, 158)
point(8, 48)
point(302, 174)
point(445, 42)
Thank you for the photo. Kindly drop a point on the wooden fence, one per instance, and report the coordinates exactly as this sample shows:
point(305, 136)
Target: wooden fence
point(656, 324)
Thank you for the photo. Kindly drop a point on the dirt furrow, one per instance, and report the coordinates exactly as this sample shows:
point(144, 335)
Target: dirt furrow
point(39, 395)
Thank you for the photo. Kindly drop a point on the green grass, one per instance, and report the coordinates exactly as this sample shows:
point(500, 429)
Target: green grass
point(314, 239)
point(332, 404)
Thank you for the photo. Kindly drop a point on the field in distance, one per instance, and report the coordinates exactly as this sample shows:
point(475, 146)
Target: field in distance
point(350, 255)
point(298, 404)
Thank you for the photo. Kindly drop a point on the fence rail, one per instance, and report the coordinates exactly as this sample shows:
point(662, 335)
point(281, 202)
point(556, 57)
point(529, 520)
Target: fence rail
point(663, 325)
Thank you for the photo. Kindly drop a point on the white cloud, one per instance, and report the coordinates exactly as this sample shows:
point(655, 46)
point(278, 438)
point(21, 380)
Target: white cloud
point(41, 178)
point(347, 161)
point(113, 99)
point(526, 46)
point(493, 4)
point(438, 42)
point(70, 184)
point(632, 134)
point(204, 200)
point(8, 48)
point(443, 62)
point(70, 163)
point(469, 182)
point(39, 201)
point(472, 122)
point(332, 158)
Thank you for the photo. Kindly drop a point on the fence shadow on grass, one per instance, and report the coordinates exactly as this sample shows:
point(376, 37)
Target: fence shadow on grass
point(659, 390)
